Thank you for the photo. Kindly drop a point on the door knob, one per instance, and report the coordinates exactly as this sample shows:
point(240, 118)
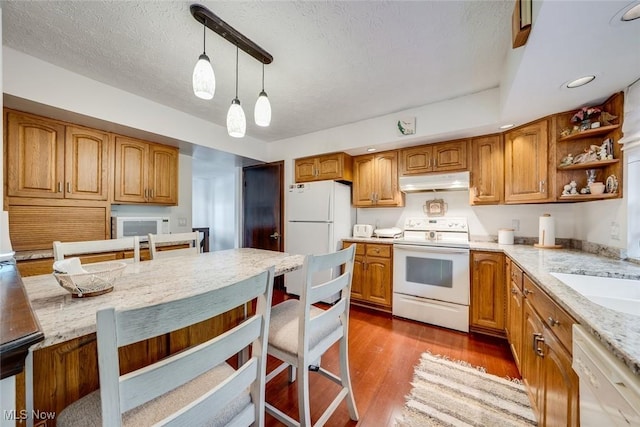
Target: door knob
point(275, 235)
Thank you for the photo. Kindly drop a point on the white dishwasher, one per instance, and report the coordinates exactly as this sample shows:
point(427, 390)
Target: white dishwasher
point(609, 391)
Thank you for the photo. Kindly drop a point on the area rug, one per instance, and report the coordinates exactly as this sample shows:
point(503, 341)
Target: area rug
point(454, 393)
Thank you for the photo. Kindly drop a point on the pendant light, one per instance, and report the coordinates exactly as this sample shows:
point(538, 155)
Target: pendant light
point(262, 110)
point(204, 80)
point(236, 121)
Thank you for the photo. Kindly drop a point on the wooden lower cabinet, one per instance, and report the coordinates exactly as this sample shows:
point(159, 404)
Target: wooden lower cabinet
point(372, 275)
point(65, 372)
point(545, 361)
point(487, 308)
point(515, 301)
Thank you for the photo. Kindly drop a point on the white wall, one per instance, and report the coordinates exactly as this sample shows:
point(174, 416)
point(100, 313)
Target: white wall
point(484, 221)
point(216, 205)
point(180, 216)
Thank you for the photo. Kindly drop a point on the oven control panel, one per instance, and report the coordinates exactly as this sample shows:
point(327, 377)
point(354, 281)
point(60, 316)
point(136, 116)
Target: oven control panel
point(436, 224)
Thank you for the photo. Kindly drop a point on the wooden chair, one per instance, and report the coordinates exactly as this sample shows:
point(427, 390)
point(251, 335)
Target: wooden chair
point(192, 387)
point(301, 333)
point(192, 238)
point(63, 249)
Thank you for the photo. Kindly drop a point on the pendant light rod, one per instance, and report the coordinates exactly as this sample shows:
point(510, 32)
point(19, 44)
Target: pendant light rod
point(227, 32)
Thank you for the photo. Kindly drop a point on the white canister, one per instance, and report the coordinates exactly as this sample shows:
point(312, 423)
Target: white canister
point(505, 236)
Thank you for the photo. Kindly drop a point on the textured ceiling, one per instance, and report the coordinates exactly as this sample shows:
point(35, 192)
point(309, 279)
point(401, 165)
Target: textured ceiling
point(334, 62)
point(338, 62)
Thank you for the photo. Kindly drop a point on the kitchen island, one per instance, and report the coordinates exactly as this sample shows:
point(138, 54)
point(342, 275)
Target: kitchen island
point(64, 364)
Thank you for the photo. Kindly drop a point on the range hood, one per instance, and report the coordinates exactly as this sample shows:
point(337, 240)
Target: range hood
point(435, 182)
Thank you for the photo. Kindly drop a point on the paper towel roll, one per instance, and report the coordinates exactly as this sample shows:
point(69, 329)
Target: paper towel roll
point(546, 231)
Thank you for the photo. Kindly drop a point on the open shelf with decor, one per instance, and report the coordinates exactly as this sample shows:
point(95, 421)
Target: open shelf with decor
point(587, 150)
point(602, 130)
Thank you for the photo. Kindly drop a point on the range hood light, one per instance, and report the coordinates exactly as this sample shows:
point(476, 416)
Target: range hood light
point(434, 182)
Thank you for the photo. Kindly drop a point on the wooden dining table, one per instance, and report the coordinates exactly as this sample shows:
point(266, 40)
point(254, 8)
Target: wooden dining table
point(63, 367)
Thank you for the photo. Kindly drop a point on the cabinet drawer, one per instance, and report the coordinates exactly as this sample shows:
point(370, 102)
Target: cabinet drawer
point(556, 319)
point(378, 250)
point(359, 247)
point(516, 275)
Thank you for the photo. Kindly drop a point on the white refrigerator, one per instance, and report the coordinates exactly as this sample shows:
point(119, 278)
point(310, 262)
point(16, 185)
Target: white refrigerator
point(319, 216)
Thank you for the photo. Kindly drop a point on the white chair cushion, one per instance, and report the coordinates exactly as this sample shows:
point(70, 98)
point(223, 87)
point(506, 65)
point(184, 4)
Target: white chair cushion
point(87, 411)
point(283, 329)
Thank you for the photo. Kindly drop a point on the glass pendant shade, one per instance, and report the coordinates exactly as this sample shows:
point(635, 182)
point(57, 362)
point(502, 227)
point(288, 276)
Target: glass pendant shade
point(262, 110)
point(236, 121)
point(204, 81)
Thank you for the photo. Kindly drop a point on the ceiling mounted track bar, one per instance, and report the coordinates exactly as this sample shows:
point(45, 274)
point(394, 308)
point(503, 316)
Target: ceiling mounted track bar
point(227, 32)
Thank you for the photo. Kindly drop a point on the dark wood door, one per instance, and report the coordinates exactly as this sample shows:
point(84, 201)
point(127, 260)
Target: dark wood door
point(262, 202)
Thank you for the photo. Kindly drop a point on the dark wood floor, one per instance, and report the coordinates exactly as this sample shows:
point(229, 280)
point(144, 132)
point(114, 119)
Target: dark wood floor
point(383, 351)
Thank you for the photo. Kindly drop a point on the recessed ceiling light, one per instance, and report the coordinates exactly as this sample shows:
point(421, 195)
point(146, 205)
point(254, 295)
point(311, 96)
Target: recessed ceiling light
point(631, 14)
point(510, 125)
point(370, 150)
point(580, 82)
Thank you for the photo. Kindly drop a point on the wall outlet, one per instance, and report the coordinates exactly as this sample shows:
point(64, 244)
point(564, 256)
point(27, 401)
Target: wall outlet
point(515, 224)
point(182, 222)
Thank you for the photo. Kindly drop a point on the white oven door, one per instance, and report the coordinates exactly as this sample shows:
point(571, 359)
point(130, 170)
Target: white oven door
point(438, 273)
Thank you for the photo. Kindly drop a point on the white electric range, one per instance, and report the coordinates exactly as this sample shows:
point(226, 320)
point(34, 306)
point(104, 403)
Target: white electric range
point(431, 272)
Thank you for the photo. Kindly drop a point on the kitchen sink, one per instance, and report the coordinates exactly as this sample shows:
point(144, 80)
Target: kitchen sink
point(617, 294)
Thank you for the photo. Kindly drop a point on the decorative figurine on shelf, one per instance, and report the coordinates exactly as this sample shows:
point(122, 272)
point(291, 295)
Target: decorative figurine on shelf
point(567, 160)
point(570, 189)
point(584, 116)
point(589, 155)
point(565, 132)
point(602, 151)
point(606, 118)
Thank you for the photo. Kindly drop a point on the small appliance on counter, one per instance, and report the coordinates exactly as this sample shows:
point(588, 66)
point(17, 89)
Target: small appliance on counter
point(388, 232)
point(363, 230)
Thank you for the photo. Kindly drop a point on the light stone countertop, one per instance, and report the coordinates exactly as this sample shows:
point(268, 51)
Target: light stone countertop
point(149, 282)
point(619, 332)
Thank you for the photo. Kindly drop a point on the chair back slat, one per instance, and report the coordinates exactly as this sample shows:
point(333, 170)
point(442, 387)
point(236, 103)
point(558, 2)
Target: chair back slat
point(169, 373)
point(325, 290)
point(63, 249)
point(217, 399)
point(142, 323)
point(192, 238)
point(117, 328)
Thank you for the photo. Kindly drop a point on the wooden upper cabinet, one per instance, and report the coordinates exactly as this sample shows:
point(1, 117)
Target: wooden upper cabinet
point(336, 166)
point(487, 170)
point(163, 175)
point(86, 164)
point(48, 160)
point(442, 157)
point(375, 180)
point(131, 170)
point(145, 172)
point(526, 164)
point(35, 157)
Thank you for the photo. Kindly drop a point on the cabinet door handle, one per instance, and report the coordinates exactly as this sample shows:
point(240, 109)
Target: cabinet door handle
point(69, 187)
point(151, 193)
point(429, 165)
point(146, 193)
point(541, 186)
point(514, 291)
point(552, 321)
point(527, 291)
point(59, 187)
point(537, 339)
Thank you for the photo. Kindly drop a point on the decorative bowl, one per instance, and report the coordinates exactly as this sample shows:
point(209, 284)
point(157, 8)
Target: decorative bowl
point(596, 188)
point(98, 279)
